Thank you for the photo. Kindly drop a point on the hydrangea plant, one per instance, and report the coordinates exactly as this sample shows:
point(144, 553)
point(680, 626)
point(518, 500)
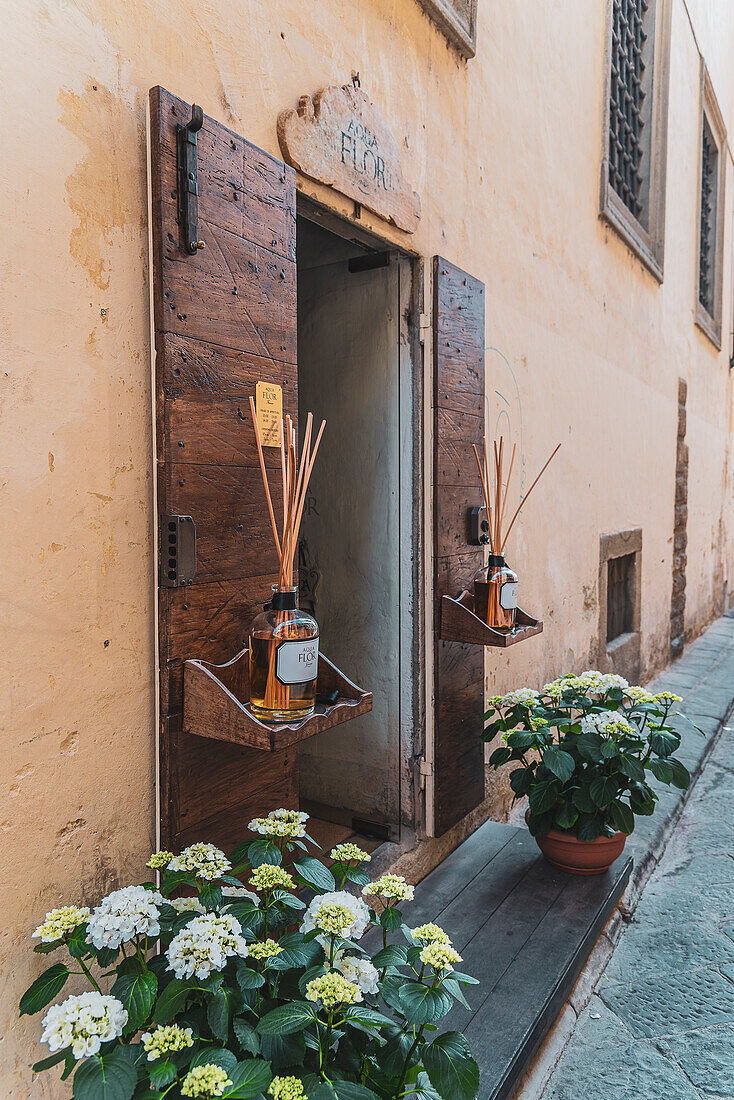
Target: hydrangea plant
point(584, 746)
point(204, 985)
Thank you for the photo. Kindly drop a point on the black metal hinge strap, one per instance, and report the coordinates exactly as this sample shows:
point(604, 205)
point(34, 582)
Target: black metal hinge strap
point(188, 180)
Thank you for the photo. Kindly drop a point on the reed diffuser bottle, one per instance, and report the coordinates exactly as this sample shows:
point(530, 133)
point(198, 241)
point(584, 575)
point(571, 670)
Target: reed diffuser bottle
point(284, 658)
point(283, 640)
point(495, 588)
point(495, 594)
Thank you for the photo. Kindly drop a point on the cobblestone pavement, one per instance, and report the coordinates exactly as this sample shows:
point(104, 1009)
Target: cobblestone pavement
point(660, 1023)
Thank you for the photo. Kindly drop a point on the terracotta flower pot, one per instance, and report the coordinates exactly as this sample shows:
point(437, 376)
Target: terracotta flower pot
point(581, 857)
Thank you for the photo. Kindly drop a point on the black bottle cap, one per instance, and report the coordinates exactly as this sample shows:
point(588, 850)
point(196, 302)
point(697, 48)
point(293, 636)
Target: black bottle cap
point(496, 559)
point(283, 601)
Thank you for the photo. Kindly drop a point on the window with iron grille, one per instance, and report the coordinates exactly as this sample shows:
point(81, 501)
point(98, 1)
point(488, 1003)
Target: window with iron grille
point(711, 181)
point(629, 156)
point(620, 596)
point(707, 238)
point(635, 125)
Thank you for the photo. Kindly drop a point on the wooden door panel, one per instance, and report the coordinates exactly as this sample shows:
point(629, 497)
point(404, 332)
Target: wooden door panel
point(458, 313)
point(225, 318)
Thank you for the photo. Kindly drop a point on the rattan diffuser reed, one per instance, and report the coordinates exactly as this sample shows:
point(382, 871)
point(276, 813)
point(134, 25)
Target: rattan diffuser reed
point(284, 624)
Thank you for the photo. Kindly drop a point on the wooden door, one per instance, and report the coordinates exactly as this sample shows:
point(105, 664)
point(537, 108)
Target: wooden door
point(225, 318)
point(458, 349)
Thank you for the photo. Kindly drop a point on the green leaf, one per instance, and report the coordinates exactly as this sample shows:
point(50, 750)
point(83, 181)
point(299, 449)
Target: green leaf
point(423, 1005)
point(395, 954)
point(44, 989)
point(521, 739)
point(500, 756)
point(218, 1056)
point(137, 992)
point(210, 895)
point(587, 746)
point(218, 1012)
point(286, 1019)
point(284, 1051)
point(450, 1067)
point(350, 1090)
point(423, 1090)
point(521, 780)
point(681, 775)
point(602, 790)
point(608, 749)
point(52, 1060)
point(172, 1000)
point(589, 827)
point(622, 817)
point(77, 945)
point(263, 851)
point(246, 1035)
point(559, 762)
point(105, 1077)
point(632, 768)
point(249, 1078)
point(455, 990)
point(162, 1073)
point(365, 1015)
point(391, 918)
point(304, 954)
point(359, 878)
point(313, 873)
point(664, 742)
point(465, 979)
point(247, 978)
point(566, 816)
point(543, 795)
point(662, 770)
point(173, 879)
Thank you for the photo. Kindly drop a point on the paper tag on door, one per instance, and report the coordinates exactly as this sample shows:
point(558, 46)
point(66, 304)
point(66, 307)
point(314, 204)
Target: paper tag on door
point(269, 411)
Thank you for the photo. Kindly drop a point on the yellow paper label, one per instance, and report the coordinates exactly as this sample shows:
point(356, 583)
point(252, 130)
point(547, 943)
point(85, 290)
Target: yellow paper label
point(269, 410)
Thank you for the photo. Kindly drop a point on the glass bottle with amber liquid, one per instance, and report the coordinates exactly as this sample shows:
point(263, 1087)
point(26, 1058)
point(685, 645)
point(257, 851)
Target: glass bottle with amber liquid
point(284, 659)
point(495, 595)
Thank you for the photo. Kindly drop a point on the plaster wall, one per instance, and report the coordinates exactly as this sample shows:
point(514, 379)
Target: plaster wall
point(583, 347)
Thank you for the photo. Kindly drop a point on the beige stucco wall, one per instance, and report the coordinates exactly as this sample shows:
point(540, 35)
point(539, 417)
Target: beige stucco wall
point(585, 348)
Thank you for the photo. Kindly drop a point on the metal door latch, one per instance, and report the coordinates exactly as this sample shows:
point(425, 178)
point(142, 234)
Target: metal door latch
point(188, 180)
point(178, 551)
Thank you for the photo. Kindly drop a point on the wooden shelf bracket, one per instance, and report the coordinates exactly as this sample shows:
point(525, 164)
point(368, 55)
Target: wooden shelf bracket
point(460, 624)
point(216, 704)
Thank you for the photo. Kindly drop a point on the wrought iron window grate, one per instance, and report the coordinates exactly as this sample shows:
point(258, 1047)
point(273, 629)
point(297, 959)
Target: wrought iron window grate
point(707, 242)
point(626, 167)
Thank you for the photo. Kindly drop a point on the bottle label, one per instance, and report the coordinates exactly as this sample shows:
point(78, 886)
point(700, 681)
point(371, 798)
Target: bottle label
point(508, 595)
point(297, 662)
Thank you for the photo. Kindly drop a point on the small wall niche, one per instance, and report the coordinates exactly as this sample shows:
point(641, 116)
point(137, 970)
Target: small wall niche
point(620, 601)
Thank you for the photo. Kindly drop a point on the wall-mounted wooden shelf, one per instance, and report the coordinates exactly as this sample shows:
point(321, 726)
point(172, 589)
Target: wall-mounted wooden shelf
point(216, 704)
point(460, 624)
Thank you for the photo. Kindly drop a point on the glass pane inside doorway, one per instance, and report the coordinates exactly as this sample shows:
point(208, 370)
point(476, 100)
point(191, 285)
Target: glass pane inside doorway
point(348, 374)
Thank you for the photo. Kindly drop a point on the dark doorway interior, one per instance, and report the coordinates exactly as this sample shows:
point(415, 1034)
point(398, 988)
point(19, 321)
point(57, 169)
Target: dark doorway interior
point(349, 374)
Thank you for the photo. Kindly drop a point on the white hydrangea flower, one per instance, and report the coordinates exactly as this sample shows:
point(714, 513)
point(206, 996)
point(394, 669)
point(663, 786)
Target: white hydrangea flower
point(165, 1039)
point(607, 722)
point(83, 1021)
point(187, 905)
point(287, 823)
point(240, 892)
point(204, 945)
point(594, 682)
point(342, 899)
point(359, 971)
point(524, 696)
point(59, 922)
point(204, 860)
point(390, 887)
point(124, 914)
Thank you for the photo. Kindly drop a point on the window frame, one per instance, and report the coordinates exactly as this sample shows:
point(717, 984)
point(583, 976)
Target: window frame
point(710, 113)
point(647, 244)
point(445, 16)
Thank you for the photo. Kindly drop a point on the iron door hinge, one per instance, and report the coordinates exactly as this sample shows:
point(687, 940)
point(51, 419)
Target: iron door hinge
point(188, 180)
point(178, 551)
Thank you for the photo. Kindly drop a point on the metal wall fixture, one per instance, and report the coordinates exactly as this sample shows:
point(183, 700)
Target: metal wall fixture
point(188, 180)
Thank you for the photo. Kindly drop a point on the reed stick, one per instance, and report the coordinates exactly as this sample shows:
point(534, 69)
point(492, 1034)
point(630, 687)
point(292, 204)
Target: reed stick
point(524, 499)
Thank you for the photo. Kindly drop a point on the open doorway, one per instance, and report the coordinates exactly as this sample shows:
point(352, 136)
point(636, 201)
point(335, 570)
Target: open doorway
point(356, 559)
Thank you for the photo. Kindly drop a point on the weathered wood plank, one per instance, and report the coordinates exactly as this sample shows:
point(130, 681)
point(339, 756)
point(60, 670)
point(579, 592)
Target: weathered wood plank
point(458, 345)
point(225, 318)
